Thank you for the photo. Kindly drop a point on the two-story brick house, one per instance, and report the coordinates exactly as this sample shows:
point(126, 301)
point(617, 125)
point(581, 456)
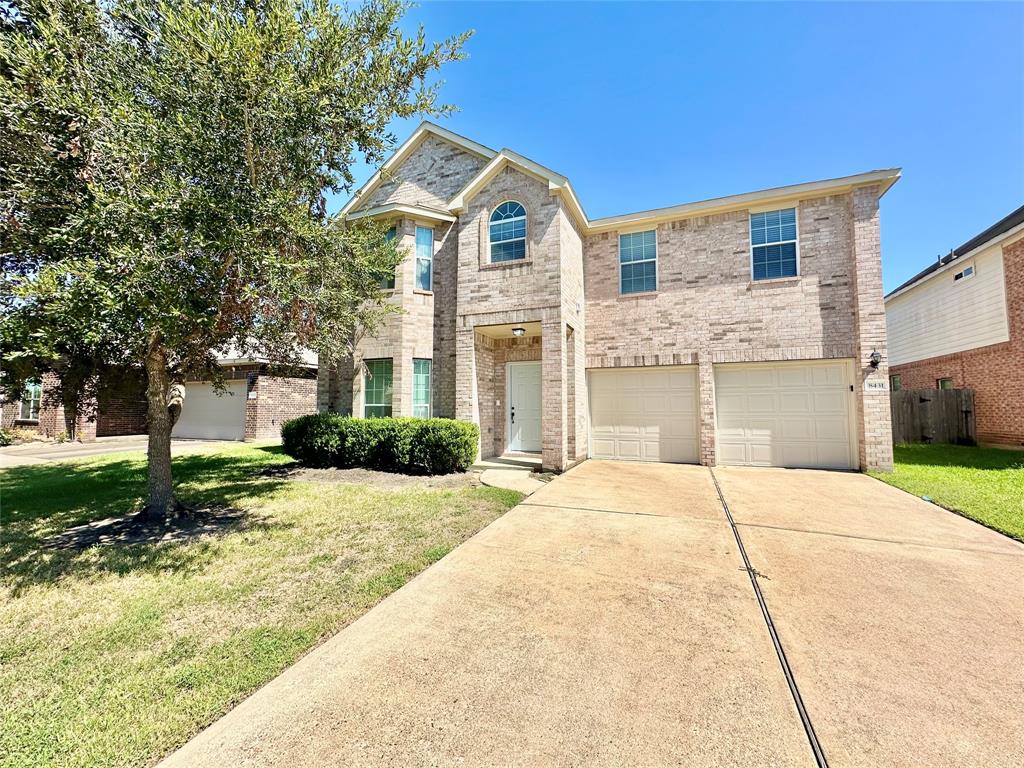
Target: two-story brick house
point(737, 330)
point(960, 323)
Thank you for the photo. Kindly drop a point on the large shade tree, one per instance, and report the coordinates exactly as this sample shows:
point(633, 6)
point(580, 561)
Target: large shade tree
point(165, 169)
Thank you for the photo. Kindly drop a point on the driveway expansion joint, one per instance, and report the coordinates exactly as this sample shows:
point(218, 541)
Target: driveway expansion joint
point(805, 718)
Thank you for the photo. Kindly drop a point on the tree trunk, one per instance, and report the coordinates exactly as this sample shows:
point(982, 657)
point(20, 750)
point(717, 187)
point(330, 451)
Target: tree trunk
point(160, 493)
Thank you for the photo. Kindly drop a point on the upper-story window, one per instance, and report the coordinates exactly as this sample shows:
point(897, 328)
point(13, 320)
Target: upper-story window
point(508, 232)
point(424, 258)
point(387, 282)
point(638, 262)
point(773, 244)
point(964, 274)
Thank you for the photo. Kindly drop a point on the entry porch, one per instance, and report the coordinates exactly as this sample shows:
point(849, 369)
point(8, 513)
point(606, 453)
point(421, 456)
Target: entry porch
point(523, 382)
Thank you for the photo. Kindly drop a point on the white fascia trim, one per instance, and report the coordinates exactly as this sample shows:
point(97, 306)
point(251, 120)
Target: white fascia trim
point(557, 183)
point(413, 211)
point(885, 178)
point(958, 261)
point(405, 149)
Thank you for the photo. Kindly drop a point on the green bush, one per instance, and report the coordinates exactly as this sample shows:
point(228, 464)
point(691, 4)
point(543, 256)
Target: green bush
point(6, 438)
point(400, 444)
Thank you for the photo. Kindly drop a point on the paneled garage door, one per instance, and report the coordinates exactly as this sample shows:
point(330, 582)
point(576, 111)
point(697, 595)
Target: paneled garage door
point(644, 414)
point(785, 414)
point(211, 417)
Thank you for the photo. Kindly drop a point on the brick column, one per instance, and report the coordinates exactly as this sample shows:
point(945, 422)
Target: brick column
point(554, 395)
point(874, 419)
point(401, 382)
point(466, 408)
point(706, 406)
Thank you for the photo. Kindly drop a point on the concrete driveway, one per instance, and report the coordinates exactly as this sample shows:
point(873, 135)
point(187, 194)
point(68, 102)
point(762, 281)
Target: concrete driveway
point(41, 452)
point(609, 620)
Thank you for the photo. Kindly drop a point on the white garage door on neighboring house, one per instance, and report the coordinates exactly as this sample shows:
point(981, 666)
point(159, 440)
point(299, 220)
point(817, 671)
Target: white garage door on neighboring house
point(797, 414)
point(644, 414)
point(209, 416)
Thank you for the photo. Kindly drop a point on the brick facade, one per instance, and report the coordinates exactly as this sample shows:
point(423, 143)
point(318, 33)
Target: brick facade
point(995, 372)
point(706, 311)
point(121, 408)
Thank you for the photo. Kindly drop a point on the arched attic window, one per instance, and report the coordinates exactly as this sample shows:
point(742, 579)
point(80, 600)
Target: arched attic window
point(508, 232)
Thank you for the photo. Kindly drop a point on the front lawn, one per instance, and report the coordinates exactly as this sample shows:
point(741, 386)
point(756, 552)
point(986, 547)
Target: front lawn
point(113, 655)
point(984, 484)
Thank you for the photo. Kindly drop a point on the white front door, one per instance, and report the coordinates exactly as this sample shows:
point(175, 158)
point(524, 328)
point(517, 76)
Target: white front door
point(522, 417)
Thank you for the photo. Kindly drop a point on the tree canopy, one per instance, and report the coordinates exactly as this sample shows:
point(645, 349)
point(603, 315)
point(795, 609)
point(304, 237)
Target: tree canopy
point(165, 172)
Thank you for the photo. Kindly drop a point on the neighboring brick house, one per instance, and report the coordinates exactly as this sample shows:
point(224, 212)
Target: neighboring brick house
point(254, 405)
point(737, 330)
point(960, 323)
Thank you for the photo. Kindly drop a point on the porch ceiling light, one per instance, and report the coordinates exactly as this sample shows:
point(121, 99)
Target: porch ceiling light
point(518, 331)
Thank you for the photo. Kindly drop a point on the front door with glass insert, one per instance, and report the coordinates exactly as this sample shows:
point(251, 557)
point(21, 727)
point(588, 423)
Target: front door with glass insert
point(523, 407)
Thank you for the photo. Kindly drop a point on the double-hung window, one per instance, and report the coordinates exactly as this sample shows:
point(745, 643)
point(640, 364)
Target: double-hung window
point(773, 244)
point(638, 262)
point(30, 401)
point(424, 258)
point(421, 374)
point(387, 282)
point(508, 232)
point(377, 388)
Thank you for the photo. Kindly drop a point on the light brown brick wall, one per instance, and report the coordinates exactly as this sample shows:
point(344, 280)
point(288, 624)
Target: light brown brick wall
point(430, 176)
point(995, 372)
point(707, 309)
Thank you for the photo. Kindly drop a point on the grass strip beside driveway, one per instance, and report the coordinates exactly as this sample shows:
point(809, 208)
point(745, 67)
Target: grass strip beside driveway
point(114, 655)
point(984, 484)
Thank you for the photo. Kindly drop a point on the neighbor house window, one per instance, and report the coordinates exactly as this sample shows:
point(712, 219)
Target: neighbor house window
point(638, 262)
point(508, 232)
point(424, 258)
point(773, 244)
point(377, 386)
point(895, 382)
point(387, 282)
point(421, 388)
point(944, 383)
point(963, 275)
point(30, 401)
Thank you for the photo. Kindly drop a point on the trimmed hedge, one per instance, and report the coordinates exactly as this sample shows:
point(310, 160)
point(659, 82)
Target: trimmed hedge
point(398, 444)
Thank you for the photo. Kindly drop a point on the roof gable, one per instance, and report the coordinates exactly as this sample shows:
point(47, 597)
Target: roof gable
point(387, 175)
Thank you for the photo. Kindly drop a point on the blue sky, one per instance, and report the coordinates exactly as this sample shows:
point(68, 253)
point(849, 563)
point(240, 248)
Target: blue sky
point(644, 105)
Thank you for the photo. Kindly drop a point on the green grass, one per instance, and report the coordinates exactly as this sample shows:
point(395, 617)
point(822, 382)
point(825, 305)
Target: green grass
point(984, 484)
point(116, 654)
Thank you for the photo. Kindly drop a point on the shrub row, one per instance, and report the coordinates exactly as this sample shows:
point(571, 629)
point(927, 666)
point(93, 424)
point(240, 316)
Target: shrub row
point(399, 444)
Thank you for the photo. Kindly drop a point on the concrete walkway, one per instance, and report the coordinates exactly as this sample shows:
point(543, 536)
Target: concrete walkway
point(609, 620)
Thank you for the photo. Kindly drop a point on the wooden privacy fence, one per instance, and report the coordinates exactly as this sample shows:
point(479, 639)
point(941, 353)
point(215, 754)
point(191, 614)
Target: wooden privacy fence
point(933, 416)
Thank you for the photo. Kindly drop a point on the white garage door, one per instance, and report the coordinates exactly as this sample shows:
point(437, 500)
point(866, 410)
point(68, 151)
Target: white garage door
point(785, 414)
point(644, 414)
point(211, 417)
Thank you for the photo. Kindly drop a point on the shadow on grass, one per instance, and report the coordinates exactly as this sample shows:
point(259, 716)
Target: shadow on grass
point(947, 455)
point(60, 520)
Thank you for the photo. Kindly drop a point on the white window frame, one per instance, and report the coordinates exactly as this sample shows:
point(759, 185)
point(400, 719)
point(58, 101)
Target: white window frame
point(618, 258)
point(964, 274)
point(428, 259)
point(430, 388)
point(526, 233)
point(31, 388)
point(366, 388)
point(750, 238)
